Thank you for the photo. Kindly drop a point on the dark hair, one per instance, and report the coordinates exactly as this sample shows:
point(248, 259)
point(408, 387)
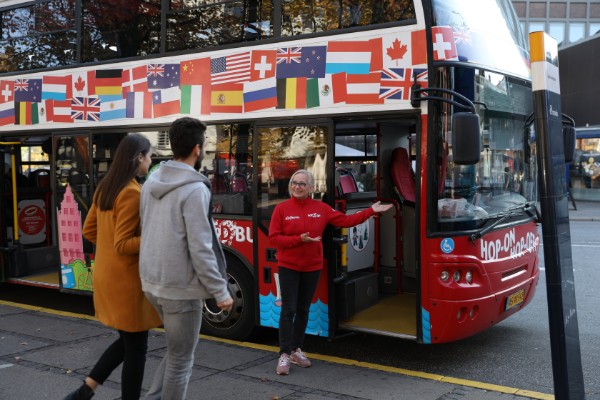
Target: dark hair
point(185, 133)
point(124, 167)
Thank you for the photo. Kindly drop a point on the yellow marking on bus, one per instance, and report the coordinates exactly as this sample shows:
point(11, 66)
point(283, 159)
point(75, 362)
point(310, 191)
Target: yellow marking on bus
point(332, 359)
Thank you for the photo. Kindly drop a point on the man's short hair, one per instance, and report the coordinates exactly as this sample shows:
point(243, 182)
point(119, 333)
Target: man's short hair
point(184, 134)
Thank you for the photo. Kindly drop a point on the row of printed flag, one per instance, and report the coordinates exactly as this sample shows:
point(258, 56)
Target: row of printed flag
point(375, 71)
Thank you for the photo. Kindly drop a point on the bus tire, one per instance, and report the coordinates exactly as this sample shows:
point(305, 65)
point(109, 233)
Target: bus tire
point(239, 323)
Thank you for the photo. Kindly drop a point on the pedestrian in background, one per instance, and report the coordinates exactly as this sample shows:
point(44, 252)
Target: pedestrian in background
point(181, 260)
point(296, 228)
point(113, 225)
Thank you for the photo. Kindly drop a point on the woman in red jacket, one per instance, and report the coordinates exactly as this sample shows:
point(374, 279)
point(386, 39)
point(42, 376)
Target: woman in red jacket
point(296, 228)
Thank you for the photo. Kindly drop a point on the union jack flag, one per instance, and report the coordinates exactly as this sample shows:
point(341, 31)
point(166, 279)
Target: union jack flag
point(85, 109)
point(155, 70)
point(21, 85)
point(396, 83)
point(289, 55)
point(462, 35)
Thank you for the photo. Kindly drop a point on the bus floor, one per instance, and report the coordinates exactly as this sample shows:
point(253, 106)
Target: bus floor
point(394, 315)
point(47, 278)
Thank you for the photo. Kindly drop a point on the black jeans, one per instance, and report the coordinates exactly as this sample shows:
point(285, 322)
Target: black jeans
point(297, 290)
point(130, 349)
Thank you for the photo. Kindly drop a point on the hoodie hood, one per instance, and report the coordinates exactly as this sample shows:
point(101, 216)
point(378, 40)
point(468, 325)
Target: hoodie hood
point(172, 175)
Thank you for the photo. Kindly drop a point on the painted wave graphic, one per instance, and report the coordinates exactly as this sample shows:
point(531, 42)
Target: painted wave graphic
point(318, 316)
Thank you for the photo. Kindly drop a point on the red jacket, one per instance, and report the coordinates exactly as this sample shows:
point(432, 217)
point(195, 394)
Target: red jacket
point(294, 217)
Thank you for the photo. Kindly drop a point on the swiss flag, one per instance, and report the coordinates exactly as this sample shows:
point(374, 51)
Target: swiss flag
point(444, 46)
point(7, 91)
point(263, 64)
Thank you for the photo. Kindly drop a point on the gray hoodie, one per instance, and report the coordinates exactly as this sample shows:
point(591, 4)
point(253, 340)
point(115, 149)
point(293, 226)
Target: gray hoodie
point(180, 255)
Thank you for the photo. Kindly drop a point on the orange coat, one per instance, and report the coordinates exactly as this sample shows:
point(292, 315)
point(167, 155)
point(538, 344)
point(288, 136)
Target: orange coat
point(118, 298)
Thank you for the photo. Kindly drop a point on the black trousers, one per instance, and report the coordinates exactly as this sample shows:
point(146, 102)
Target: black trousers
point(130, 349)
point(297, 290)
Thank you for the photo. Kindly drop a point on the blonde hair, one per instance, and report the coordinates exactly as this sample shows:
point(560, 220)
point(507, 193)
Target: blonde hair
point(309, 175)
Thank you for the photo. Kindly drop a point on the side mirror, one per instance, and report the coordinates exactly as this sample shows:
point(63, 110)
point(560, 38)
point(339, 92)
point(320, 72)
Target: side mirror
point(466, 138)
point(569, 134)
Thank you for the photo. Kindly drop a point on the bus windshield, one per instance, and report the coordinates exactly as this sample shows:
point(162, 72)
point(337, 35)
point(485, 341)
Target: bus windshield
point(505, 176)
point(487, 32)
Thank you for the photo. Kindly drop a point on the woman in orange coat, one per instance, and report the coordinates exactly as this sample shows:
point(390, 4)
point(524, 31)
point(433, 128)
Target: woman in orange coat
point(113, 225)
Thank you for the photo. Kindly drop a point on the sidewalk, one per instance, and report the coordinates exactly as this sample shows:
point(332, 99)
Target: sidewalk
point(45, 355)
point(586, 211)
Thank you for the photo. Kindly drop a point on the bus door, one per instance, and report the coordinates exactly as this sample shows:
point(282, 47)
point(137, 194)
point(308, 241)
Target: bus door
point(27, 237)
point(74, 169)
point(377, 286)
point(283, 149)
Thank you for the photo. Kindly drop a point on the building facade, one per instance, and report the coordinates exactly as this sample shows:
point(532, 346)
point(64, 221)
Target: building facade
point(568, 21)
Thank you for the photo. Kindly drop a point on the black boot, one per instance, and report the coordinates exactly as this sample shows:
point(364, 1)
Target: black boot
point(84, 392)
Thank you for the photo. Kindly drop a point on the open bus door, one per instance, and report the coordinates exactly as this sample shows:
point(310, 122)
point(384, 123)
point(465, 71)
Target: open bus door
point(379, 292)
point(368, 283)
point(28, 253)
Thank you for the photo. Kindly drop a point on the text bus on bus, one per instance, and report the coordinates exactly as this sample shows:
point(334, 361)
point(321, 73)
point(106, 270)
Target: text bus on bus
point(377, 99)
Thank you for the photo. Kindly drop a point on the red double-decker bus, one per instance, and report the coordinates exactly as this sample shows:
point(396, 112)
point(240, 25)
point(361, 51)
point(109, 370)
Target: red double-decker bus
point(422, 104)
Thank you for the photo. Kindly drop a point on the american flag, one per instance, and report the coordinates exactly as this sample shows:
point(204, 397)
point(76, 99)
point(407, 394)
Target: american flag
point(85, 109)
point(230, 69)
point(396, 83)
point(289, 55)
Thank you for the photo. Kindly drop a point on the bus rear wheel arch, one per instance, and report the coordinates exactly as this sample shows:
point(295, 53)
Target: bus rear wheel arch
point(239, 323)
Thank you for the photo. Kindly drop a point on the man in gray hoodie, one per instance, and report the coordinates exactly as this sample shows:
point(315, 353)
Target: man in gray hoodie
point(181, 260)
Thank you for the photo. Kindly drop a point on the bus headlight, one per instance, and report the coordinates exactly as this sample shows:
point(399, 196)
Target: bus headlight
point(456, 276)
point(444, 276)
point(469, 277)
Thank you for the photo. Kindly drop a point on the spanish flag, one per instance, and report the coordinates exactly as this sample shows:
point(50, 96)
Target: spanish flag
point(227, 98)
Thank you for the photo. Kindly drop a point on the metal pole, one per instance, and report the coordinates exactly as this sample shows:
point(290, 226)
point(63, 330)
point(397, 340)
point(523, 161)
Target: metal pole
point(560, 285)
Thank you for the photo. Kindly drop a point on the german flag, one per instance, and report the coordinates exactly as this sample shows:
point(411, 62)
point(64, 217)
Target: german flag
point(109, 82)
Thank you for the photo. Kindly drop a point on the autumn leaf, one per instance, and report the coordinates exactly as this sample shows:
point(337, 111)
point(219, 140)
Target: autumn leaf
point(397, 50)
point(79, 84)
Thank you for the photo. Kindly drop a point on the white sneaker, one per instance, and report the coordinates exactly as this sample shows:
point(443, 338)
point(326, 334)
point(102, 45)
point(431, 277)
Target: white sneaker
point(300, 359)
point(283, 365)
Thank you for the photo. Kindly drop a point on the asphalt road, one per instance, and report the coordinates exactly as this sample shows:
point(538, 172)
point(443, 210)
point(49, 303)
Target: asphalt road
point(514, 353)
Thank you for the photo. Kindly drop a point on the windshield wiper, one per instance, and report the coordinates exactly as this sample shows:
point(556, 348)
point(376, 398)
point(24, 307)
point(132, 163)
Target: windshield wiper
point(528, 207)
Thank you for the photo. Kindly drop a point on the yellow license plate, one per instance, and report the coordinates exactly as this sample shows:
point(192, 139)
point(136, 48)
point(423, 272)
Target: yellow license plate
point(514, 299)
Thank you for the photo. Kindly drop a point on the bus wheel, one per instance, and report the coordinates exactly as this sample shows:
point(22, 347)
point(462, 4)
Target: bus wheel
point(237, 324)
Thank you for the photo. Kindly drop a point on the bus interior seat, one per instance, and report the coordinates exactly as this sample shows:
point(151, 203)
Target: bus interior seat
point(238, 183)
point(347, 182)
point(404, 183)
point(402, 176)
point(40, 178)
